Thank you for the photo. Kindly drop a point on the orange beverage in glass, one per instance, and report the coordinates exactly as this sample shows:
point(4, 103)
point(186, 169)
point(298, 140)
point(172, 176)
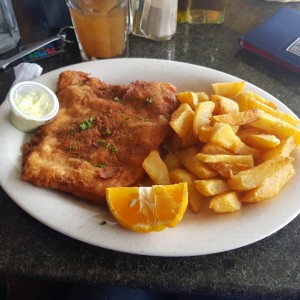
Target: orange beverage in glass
point(100, 26)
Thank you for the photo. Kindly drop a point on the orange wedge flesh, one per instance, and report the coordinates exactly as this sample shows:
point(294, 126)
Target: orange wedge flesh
point(145, 209)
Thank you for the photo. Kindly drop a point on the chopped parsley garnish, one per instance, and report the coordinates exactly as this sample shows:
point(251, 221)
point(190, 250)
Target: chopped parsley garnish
point(149, 100)
point(102, 142)
point(113, 149)
point(110, 147)
point(106, 131)
point(87, 124)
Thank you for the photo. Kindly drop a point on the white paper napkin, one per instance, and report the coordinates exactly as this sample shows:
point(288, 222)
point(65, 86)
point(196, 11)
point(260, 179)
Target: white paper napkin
point(27, 71)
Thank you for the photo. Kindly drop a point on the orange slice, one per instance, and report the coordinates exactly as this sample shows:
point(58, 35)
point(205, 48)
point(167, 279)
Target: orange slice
point(146, 209)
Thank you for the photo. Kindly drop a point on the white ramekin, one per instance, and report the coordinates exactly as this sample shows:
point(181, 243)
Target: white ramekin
point(21, 120)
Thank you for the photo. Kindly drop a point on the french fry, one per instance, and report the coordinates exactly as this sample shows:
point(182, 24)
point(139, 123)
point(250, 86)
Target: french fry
point(253, 177)
point(226, 158)
point(262, 141)
point(211, 187)
point(191, 163)
point(204, 133)
point(190, 98)
point(156, 168)
point(224, 105)
point(212, 148)
point(182, 119)
point(264, 101)
point(224, 135)
point(237, 118)
point(202, 115)
point(189, 140)
point(196, 199)
point(243, 97)
point(171, 161)
point(244, 133)
point(202, 96)
point(286, 147)
point(251, 102)
point(225, 203)
point(226, 170)
point(271, 186)
point(228, 89)
point(276, 126)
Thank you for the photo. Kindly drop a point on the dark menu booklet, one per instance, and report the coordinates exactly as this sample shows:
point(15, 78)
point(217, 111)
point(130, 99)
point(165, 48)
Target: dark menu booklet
point(277, 38)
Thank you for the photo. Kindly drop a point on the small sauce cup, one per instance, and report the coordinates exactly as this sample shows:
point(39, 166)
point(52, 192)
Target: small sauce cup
point(31, 105)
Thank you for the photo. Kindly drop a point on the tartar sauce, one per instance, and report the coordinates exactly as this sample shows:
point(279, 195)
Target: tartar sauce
point(34, 104)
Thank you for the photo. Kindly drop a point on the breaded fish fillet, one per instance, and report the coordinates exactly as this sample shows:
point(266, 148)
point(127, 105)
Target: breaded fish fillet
point(100, 136)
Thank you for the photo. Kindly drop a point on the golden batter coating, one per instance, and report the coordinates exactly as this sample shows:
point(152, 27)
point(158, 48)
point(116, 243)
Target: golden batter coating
point(100, 136)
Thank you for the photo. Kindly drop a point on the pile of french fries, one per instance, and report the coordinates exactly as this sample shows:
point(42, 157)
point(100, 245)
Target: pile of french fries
point(231, 147)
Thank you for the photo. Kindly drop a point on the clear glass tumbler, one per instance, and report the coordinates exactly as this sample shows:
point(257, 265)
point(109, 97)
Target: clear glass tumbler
point(9, 30)
point(101, 27)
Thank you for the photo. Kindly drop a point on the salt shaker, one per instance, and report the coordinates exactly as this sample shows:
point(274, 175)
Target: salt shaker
point(9, 31)
point(159, 19)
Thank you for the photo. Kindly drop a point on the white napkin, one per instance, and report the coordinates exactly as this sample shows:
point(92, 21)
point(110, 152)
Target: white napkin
point(27, 71)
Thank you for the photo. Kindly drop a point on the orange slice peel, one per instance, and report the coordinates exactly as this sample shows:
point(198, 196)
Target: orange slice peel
point(146, 209)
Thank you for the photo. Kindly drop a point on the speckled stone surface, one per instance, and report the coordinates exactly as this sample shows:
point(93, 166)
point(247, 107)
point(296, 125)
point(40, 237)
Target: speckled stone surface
point(268, 269)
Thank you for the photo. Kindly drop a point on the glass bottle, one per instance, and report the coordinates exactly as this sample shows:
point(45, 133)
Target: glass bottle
point(206, 11)
point(182, 11)
point(9, 30)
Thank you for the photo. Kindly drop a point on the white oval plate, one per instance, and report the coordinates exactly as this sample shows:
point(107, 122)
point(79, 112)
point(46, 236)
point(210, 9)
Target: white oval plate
point(200, 234)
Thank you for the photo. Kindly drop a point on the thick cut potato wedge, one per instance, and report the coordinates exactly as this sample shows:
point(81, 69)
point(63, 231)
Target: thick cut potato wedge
point(224, 135)
point(187, 158)
point(271, 186)
point(251, 102)
point(276, 126)
point(253, 177)
point(211, 187)
point(226, 158)
point(243, 97)
point(262, 141)
point(202, 115)
point(237, 118)
point(182, 119)
point(204, 133)
point(264, 101)
point(225, 203)
point(189, 140)
point(224, 105)
point(286, 147)
point(156, 168)
point(202, 96)
point(228, 89)
point(191, 98)
point(212, 148)
point(226, 170)
point(171, 161)
point(196, 199)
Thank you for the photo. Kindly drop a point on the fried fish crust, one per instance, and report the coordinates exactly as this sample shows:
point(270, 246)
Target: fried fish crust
point(101, 135)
